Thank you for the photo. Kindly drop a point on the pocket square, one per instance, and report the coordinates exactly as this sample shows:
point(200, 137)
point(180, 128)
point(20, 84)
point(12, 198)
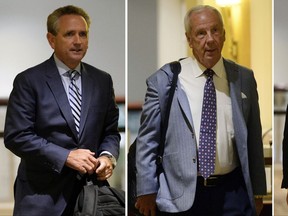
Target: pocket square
point(243, 96)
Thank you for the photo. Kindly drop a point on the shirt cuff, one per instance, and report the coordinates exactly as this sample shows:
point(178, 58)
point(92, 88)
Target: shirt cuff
point(110, 156)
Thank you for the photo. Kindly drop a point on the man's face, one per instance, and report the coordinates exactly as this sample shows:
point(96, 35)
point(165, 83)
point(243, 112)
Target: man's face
point(207, 37)
point(71, 42)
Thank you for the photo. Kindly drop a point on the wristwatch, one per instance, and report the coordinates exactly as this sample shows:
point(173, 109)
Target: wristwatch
point(111, 158)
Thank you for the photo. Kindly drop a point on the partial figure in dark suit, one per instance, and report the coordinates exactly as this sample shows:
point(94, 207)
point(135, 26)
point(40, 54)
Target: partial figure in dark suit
point(56, 148)
point(285, 156)
point(238, 174)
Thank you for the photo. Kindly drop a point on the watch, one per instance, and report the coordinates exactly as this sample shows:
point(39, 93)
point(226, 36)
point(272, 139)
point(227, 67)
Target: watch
point(111, 158)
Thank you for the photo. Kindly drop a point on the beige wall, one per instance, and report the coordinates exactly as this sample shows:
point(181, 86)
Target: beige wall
point(261, 55)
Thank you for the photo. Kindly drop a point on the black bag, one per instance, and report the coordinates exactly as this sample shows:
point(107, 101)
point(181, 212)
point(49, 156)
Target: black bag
point(100, 200)
point(175, 68)
point(132, 179)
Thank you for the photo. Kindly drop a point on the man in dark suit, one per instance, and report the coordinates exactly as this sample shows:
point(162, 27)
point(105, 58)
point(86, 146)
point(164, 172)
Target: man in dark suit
point(55, 147)
point(237, 172)
point(285, 156)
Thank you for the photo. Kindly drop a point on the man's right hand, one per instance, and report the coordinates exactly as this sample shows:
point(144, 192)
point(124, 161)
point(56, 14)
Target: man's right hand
point(146, 204)
point(82, 160)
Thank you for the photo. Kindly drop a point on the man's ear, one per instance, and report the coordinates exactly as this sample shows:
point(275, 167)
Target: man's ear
point(188, 37)
point(51, 39)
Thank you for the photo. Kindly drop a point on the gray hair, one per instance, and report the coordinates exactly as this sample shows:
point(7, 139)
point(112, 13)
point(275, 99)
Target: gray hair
point(52, 20)
point(197, 9)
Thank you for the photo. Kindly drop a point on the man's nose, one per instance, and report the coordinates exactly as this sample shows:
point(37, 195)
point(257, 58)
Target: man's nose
point(209, 36)
point(77, 39)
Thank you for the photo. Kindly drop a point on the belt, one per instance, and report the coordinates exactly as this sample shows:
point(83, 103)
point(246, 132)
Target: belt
point(216, 180)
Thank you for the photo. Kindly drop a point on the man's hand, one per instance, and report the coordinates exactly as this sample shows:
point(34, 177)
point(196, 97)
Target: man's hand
point(82, 160)
point(104, 169)
point(146, 204)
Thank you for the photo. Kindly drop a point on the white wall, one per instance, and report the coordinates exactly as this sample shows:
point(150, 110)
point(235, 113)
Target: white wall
point(171, 40)
point(280, 42)
point(155, 37)
point(24, 44)
point(280, 72)
point(142, 46)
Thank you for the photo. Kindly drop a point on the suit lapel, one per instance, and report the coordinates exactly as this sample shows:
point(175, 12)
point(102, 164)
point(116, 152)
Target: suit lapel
point(87, 93)
point(185, 107)
point(181, 98)
point(234, 79)
point(55, 83)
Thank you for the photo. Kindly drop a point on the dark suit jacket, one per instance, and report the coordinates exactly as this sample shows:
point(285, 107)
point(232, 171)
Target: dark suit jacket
point(285, 153)
point(40, 130)
point(176, 186)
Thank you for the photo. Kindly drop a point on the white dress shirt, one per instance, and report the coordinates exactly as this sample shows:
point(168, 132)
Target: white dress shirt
point(63, 71)
point(192, 81)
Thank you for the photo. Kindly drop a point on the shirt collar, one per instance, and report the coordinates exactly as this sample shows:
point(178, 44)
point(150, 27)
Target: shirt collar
point(218, 68)
point(62, 68)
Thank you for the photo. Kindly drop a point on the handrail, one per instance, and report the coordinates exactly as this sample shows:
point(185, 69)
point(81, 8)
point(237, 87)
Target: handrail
point(3, 102)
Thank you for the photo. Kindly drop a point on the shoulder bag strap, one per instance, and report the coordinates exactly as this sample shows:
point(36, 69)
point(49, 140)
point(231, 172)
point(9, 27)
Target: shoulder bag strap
point(176, 69)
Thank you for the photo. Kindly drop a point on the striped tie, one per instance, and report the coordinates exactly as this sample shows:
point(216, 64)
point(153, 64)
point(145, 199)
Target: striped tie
point(75, 98)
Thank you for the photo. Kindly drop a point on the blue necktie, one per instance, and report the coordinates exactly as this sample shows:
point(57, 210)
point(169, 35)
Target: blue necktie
point(207, 139)
point(75, 98)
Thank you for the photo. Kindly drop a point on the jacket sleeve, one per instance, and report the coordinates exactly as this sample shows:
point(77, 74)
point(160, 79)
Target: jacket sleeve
point(20, 133)
point(148, 141)
point(111, 136)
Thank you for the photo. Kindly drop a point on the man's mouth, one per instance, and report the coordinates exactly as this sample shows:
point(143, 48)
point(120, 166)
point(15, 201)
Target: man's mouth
point(210, 50)
point(76, 50)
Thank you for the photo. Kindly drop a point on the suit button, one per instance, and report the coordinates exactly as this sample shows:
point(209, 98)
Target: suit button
point(194, 160)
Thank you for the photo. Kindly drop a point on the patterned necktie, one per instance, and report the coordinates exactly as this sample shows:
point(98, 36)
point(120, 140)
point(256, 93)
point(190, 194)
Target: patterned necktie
point(75, 98)
point(207, 139)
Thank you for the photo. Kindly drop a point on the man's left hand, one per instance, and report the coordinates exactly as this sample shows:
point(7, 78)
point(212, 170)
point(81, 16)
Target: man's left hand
point(105, 168)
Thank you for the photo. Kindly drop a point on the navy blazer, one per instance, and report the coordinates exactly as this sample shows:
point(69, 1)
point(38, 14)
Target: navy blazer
point(40, 130)
point(285, 153)
point(176, 186)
